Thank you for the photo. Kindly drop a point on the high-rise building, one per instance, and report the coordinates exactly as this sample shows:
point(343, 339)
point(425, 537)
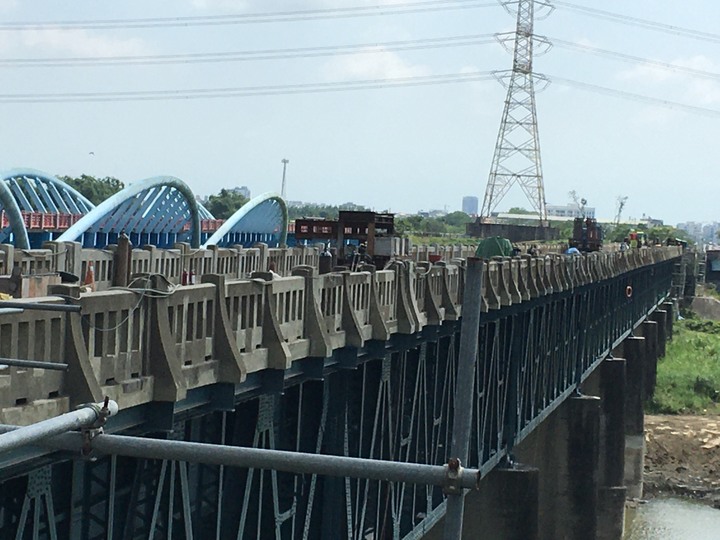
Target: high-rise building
point(242, 190)
point(470, 205)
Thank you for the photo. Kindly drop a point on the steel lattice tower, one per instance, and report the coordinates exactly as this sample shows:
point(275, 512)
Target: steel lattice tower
point(517, 151)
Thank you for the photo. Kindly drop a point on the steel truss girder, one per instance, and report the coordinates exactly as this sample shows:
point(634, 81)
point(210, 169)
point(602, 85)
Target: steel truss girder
point(532, 356)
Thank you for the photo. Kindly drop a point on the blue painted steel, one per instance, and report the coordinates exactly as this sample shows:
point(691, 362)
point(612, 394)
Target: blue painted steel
point(31, 190)
point(157, 208)
point(204, 212)
point(263, 219)
point(16, 231)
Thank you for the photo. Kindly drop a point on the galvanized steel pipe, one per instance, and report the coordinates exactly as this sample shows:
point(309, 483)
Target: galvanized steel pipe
point(85, 416)
point(464, 391)
point(41, 306)
point(261, 458)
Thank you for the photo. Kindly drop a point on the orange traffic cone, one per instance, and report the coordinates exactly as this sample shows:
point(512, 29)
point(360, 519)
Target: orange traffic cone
point(89, 281)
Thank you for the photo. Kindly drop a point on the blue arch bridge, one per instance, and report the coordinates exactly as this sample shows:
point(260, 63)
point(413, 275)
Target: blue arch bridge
point(36, 207)
point(405, 402)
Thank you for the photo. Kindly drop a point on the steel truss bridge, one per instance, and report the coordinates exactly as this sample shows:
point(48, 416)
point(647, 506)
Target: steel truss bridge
point(351, 364)
point(36, 207)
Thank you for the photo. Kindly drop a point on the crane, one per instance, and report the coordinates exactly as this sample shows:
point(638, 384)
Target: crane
point(621, 200)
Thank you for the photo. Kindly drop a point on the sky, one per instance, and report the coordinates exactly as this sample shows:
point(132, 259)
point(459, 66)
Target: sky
point(401, 149)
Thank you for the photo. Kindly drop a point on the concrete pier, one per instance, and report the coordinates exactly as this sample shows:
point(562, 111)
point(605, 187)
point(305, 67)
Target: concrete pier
point(634, 351)
point(505, 507)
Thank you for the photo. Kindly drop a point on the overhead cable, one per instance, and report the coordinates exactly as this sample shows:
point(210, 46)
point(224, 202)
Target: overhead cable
point(403, 8)
point(635, 59)
point(245, 91)
point(245, 56)
point(639, 22)
point(705, 111)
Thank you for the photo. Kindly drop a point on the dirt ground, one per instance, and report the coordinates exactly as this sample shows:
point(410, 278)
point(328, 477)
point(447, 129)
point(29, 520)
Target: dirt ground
point(683, 457)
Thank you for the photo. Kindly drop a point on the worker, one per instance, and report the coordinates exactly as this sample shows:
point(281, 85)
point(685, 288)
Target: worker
point(271, 270)
point(572, 250)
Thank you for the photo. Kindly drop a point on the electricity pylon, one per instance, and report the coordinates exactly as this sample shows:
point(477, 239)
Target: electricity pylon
point(517, 151)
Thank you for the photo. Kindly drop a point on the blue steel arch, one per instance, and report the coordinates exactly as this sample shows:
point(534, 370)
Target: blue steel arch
point(152, 211)
point(30, 190)
point(263, 219)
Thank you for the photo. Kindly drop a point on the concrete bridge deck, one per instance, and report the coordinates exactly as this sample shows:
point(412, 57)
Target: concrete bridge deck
point(349, 363)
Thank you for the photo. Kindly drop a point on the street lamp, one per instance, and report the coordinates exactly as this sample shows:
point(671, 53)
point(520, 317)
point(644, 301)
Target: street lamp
point(284, 162)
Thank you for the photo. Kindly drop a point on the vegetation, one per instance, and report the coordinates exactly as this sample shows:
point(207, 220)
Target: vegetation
point(225, 204)
point(325, 211)
point(96, 190)
point(419, 226)
point(688, 378)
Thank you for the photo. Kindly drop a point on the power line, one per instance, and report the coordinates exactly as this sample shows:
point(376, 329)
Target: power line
point(245, 91)
point(635, 97)
point(639, 22)
point(244, 56)
point(634, 59)
point(251, 18)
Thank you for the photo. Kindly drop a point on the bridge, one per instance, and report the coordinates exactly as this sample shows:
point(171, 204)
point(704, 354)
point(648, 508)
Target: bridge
point(340, 405)
point(36, 207)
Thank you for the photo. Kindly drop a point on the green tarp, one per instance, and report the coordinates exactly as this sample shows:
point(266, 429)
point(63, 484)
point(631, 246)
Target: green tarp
point(496, 246)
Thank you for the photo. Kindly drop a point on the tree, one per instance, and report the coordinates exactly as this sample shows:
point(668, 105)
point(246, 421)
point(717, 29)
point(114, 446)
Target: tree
point(457, 219)
point(519, 210)
point(225, 204)
point(96, 190)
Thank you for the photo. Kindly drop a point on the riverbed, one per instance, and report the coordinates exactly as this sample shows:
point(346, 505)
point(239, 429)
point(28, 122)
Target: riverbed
point(672, 519)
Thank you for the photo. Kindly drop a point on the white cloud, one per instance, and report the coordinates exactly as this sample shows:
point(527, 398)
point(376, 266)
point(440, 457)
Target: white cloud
point(378, 64)
point(80, 43)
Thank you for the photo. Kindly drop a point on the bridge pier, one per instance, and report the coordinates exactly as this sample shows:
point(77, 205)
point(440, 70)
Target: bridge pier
point(649, 330)
point(612, 491)
point(566, 448)
point(505, 507)
point(634, 351)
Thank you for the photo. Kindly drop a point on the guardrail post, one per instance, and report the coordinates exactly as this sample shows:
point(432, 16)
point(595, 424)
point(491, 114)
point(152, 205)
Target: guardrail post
point(232, 368)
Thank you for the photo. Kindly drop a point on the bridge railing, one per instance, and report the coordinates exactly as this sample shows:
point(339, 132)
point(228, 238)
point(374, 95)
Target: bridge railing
point(26, 394)
point(154, 342)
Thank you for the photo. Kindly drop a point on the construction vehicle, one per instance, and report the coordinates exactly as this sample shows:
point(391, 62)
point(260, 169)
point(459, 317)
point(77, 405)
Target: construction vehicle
point(587, 235)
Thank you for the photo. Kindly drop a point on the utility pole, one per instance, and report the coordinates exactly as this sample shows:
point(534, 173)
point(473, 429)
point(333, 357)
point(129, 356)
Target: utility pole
point(282, 190)
point(517, 151)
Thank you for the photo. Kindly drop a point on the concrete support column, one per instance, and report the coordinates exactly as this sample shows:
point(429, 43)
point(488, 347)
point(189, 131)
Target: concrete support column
point(650, 333)
point(634, 350)
point(660, 317)
point(578, 474)
point(611, 492)
point(505, 507)
point(671, 309)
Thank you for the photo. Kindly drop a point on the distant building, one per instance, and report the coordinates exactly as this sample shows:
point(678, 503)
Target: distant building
point(470, 205)
point(570, 211)
point(242, 190)
point(701, 232)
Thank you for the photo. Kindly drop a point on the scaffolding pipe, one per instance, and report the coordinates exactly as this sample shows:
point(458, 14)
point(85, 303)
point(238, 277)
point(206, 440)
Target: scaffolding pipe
point(56, 366)
point(86, 416)
point(465, 390)
point(261, 458)
point(39, 306)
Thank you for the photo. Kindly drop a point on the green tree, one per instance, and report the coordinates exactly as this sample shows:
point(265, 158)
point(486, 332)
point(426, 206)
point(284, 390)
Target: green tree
point(225, 204)
point(457, 219)
point(519, 210)
point(96, 190)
